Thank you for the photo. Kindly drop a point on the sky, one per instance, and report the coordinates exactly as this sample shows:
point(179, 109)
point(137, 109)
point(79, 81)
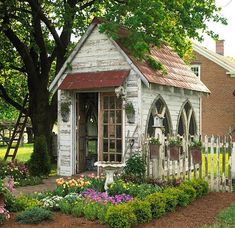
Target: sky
point(226, 33)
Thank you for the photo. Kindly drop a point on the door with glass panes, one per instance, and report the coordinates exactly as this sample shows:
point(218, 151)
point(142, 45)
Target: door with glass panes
point(110, 128)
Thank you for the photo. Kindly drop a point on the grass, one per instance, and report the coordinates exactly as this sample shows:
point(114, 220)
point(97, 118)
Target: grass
point(225, 219)
point(23, 154)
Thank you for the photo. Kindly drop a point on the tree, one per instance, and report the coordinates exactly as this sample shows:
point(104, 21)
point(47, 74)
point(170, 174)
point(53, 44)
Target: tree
point(36, 38)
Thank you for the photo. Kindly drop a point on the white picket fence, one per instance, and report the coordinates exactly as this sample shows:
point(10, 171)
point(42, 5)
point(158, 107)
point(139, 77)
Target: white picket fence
point(216, 165)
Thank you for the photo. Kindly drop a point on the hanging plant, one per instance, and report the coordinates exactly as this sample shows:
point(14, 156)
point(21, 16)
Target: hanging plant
point(130, 112)
point(65, 111)
point(174, 146)
point(154, 147)
point(196, 151)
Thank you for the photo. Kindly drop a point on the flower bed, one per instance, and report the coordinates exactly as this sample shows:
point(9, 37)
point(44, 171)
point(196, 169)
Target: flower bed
point(19, 172)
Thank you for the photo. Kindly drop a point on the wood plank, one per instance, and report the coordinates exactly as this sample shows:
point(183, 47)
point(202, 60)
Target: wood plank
point(206, 158)
point(230, 162)
point(217, 164)
point(212, 163)
point(224, 164)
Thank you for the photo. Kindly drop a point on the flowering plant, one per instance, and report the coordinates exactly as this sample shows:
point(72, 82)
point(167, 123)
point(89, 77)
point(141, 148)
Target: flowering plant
point(4, 214)
point(103, 198)
point(51, 202)
point(154, 141)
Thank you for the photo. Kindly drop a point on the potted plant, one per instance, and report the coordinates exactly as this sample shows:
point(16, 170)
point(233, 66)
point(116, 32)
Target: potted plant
point(65, 111)
point(174, 145)
point(154, 147)
point(130, 112)
point(195, 148)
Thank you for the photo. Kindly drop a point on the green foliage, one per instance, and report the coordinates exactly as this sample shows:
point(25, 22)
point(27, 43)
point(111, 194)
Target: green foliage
point(174, 142)
point(77, 209)
point(120, 216)
point(39, 163)
point(189, 190)
point(195, 144)
point(29, 181)
point(227, 216)
point(129, 108)
point(65, 207)
point(34, 216)
point(136, 190)
point(155, 65)
point(101, 214)
point(142, 211)
point(154, 141)
point(158, 204)
point(171, 201)
point(201, 186)
point(182, 198)
point(25, 202)
point(9, 200)
point(136, 167)
point(90, 211)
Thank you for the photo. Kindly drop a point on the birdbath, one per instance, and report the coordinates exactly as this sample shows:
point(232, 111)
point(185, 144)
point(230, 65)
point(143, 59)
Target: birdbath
point(109, 168)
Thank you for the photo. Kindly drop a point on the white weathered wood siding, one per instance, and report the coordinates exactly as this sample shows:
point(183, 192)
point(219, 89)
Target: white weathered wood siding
point(174, 99)
point(97, 54)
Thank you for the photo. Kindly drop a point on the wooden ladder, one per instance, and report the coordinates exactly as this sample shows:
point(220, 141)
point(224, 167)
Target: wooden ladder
point(18, 131)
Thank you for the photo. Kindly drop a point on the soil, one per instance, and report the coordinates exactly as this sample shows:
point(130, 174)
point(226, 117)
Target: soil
point(200, 212)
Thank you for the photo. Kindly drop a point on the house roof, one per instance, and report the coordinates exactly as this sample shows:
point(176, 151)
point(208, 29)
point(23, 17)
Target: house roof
point(221, 60)
point(178, 73)
point(94, 80)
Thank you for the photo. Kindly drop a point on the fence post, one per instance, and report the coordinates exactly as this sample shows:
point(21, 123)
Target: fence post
point(230, 161)
point(212, 163)
point(217, 164)
point(233, 161)
point(206, 158)
point(224, 164)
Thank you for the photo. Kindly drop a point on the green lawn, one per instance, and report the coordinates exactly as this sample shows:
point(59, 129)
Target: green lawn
point(23, 153)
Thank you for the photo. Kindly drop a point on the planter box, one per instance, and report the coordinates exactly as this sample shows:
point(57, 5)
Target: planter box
point(196, 156)
point(174, 153)
point(154, 151)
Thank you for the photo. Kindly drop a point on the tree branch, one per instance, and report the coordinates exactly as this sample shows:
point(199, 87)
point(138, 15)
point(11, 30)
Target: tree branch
point(5, 96)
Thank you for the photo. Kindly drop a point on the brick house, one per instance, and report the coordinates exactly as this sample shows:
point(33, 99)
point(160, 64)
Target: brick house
point(217, 72)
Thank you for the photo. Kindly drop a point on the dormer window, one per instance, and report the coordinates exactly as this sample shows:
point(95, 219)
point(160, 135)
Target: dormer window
point(196, 69)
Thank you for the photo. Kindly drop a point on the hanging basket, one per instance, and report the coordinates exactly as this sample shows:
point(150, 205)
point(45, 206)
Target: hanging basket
point(174, 153)
point(130, 117)
point(196, 156)
point(154, 151)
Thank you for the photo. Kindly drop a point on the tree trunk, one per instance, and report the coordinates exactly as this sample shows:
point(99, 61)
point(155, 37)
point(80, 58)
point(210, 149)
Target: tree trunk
point(29, 131)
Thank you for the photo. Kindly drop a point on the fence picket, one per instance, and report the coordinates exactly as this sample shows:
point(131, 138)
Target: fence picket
point(230, 161)
point(212, 163)
point(217, 164)
point(206, 158)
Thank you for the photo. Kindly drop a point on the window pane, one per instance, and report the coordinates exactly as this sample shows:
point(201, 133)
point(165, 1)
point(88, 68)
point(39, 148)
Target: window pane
point(112, 157)
point(118, 103)
point(105, 131)
point(105, 145)
point(106, 117)
point(118, 131)
point(112, 103)
point(118, 157)
point(105, 157)
point(106, 102)
point(118, 116)
point(119, 146)
point(112, 117)
point(112, 145)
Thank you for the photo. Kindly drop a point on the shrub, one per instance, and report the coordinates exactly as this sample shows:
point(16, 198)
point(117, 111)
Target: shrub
point(65, 207)
point(29, 180)
point(39, 163)
point(182, 198)
point(25, 202)
point(158, 204)
point(171, 201)
point(200, 186)
point(77, 209)
point(135, 166)
point(4, 214)
point(90, 211)
point(120, 216)
point(51, 202)
point(34, 216)
point(71, 198)
point(142, 211)
point(189, 190)
point(101, 214)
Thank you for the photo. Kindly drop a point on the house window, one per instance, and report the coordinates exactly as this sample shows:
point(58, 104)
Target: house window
point(112, 128)
point(196, 69)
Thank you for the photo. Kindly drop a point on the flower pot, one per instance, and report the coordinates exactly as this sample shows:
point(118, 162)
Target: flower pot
point(65, 117)
point(130, 117)
point(174, 153)
point(154, 151)
point(196, 156)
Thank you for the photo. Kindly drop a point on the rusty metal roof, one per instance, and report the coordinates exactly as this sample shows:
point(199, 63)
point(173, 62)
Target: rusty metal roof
point(178, 74)
point(94, 80)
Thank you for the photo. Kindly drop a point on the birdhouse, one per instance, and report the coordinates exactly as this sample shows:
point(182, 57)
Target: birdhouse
point(158, 121)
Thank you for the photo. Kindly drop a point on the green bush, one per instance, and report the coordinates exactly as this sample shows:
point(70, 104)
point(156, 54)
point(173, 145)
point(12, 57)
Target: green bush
point(171, 202)
point(29, 181)
point(200, 185)
point(34, 216)
point(65, 207)
point(182, 198)
point(10, 200)
point(120, 216)
point(25, 202)
point(142, 211)
point(158, 204)
point(189, 190)
point(135, 166)
point(77, 209)
point(101, 213)
point(39, 163)
point(90, 211)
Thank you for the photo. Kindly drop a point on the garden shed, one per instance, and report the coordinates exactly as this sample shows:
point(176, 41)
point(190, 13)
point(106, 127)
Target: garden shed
point(108, 101)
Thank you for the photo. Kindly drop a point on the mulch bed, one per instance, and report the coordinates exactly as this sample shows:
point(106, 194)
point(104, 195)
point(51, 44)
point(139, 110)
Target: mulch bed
point(200, 212)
